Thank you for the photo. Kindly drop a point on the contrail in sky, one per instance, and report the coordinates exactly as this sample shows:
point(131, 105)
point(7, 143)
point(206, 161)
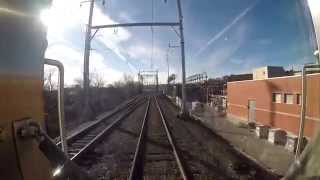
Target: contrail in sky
point(226, 28)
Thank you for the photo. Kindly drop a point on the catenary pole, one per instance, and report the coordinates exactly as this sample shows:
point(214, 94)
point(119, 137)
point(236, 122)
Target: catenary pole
point(86, 81)
point(183, 89)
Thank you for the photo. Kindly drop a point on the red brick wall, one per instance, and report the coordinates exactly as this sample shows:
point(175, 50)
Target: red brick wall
point(281, 115)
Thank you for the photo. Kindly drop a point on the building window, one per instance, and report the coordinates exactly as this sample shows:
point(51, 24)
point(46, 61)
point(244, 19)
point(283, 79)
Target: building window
point(288, 98)
point(298, 98)
point(276, 97)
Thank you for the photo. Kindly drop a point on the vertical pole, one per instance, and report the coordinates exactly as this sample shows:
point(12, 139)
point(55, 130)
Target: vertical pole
point(61, 111)
point(183, 105)
point(302, 111)
point(157, 79)
point(86, 81)
point(62, 128)
point(317, 55)
point(207, 90)
point(168, 69)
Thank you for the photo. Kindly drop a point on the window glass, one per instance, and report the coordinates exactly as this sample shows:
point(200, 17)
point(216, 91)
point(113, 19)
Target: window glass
point(276, 97)
point(298, 98)
point(288, 98)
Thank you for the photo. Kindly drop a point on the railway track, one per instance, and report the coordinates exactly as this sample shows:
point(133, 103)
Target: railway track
point(152, 144)
point(207, 155)
point(150, 151)
point(156, 155)
point(86, 139)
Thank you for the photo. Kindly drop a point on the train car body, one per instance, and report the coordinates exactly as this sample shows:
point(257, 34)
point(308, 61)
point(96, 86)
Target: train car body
point(22, 47)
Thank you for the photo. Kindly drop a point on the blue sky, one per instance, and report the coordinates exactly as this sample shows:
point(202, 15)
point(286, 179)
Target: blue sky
point(222, 36)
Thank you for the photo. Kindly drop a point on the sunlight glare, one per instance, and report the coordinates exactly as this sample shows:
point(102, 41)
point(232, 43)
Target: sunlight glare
point(45, 17)
point(63, 15)
point(314, 6)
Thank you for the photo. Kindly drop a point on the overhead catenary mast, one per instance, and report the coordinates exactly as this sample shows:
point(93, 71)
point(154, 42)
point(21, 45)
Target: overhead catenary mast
point(183, 88)
point(89, 37)
point(86, 81)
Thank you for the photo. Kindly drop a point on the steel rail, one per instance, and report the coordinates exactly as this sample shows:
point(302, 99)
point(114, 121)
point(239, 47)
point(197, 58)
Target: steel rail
point(173, 146)
point(99, 120)
point(99, 136)
point(134, 167)
point(137, 156)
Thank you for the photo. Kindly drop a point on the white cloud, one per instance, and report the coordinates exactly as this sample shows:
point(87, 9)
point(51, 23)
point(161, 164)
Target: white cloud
point(73, 64)
point(65, 41)
point(163, 76)
point(125, 16)
point(138, 51)
point(62, 15)
point(108, 74)
point(71, 59)
point(143, 53)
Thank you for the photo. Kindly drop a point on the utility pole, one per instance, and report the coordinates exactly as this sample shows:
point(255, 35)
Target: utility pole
point(167, 58)
point(207, 89)
point(86, 81)
point(184, 111)
point(157, 81)
point(168, 67)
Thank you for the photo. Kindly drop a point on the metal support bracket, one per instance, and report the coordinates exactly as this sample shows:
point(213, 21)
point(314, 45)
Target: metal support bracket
point(62, 128)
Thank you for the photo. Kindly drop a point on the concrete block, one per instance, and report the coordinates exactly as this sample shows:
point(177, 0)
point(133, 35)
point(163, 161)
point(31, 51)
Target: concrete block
point(277, 136)
point(252, 125)
point(292, 142)
point(262, 131)
point(195, 104)
point(188, 105)
point(178, 101)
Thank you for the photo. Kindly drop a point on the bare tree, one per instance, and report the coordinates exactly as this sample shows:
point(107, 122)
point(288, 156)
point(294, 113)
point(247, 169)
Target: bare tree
point(78, 82)
point(96, 80)
point(49, 83)
point(127, 79)
point(172, 77)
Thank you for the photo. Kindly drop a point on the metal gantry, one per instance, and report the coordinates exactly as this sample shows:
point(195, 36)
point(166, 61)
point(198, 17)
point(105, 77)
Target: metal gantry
point(198, 78)
point(145, 76)
point(89, 37)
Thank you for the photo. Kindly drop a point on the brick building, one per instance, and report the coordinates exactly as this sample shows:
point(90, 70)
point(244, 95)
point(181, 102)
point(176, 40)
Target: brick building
point(276, 102)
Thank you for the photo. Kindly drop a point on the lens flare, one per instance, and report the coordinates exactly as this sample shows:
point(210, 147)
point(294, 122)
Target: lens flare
point(57, 171)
